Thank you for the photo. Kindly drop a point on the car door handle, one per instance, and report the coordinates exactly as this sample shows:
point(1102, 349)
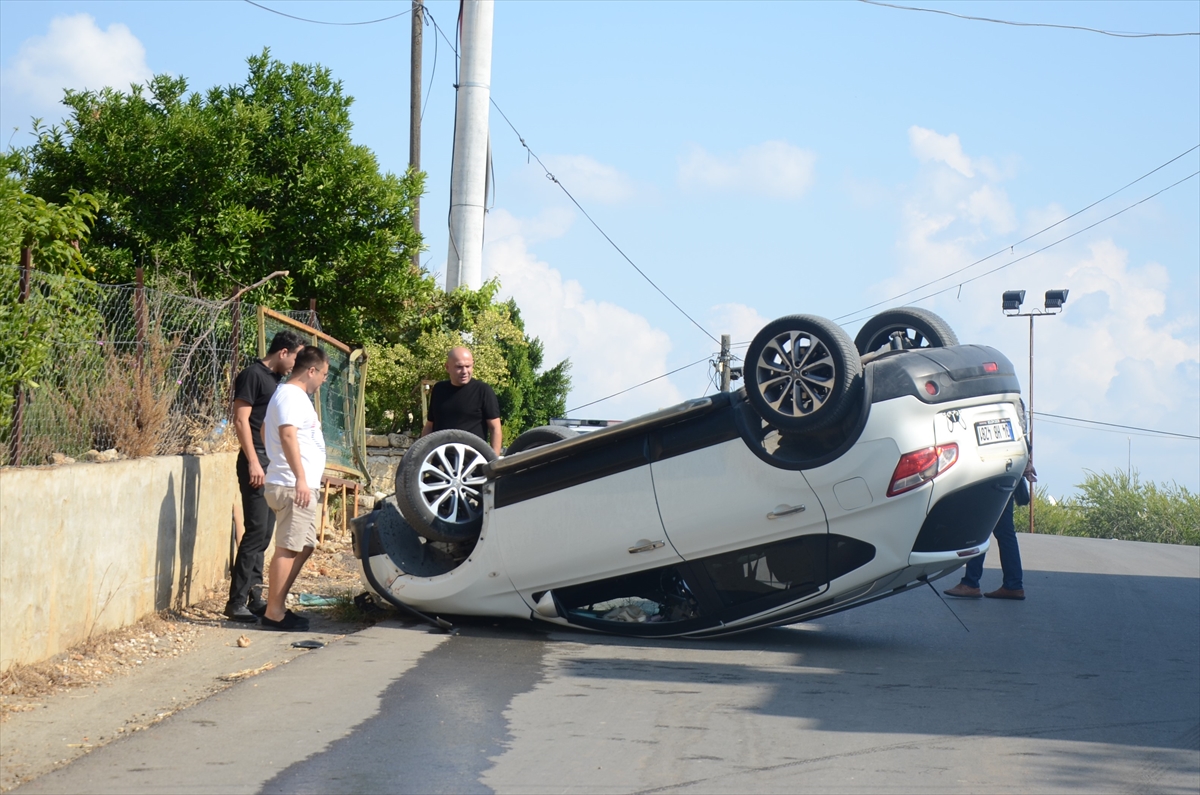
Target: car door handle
point(784, 510)
point(645, 546)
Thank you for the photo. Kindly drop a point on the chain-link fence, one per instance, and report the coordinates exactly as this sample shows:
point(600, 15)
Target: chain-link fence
point(90, 367)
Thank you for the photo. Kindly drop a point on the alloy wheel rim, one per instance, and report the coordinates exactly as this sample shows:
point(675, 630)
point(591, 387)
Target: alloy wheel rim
point(796, 373)
point(451, 480)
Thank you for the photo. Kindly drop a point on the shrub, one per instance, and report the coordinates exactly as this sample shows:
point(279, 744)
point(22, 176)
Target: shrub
point(1118, 505)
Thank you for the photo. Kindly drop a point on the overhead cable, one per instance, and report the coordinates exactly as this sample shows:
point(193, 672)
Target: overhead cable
point(1116, 33)
point(323, 22)
point(635, 386)
point(1012, 246)
point(959, 285)
point(1154, 431)
point(550, 176)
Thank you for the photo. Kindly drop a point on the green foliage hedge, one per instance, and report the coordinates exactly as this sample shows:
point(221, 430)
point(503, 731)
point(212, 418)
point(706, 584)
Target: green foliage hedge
point(1118, 505)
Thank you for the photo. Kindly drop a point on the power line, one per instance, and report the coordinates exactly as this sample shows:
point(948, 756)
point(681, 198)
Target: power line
point(635, 386)
point(1047, 246)
point(1012, 246)
point(611, 242)
point(1115, 425)
point(1117, 34)
point(550, 176)
point(323, 22)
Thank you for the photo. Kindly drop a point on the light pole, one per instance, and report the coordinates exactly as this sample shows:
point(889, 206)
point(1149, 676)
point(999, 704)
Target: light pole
point(1012, 300)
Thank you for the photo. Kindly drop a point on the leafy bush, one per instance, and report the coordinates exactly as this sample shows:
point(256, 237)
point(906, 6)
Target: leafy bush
point(505, 358)
point(1118, 505)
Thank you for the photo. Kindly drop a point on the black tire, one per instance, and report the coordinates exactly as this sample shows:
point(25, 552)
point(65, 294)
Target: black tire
point(439, 485)
point(808, 394)
point(539, 437)
point(920, 329)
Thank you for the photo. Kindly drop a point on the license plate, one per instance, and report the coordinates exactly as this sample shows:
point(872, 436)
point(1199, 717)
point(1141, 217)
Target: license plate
point(994, 431)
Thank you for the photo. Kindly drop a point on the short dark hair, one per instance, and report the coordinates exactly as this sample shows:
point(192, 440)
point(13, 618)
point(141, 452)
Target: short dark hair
point(286, 341)
point(309, 356)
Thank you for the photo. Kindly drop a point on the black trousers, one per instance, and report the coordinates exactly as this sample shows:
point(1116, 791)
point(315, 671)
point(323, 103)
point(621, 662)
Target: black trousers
point(259, 524)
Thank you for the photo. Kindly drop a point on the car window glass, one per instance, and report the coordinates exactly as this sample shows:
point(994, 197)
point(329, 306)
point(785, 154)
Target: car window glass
point(650, 597)
point(797, 566)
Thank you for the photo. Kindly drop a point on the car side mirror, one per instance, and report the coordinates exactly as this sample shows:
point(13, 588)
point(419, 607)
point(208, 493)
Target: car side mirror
point(546, 606)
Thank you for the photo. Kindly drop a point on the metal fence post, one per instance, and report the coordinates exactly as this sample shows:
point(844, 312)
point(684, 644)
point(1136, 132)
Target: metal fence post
point(18, 423)
point(236, 347)
point(139, 311)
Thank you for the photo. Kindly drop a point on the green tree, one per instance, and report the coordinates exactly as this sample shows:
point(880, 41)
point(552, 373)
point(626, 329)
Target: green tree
point(213, 191)
point(505, 357)
point(58, 309)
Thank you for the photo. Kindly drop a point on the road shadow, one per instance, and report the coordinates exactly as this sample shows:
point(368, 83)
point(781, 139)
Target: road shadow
point(1088, 657)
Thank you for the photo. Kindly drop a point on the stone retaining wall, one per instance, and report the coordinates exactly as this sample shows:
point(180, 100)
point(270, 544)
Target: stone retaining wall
point(384, 452)
point(86, 548)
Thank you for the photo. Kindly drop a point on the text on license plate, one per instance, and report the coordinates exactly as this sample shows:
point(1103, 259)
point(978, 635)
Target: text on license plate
point(994, 431)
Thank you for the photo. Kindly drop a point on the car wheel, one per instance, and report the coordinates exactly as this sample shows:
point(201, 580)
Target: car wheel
point(802, 373)
point(439, 485)
point(538, 437)
point(916, 328)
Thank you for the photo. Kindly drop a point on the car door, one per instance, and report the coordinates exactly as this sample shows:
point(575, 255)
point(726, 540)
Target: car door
point(591, 517)
point(723, 497)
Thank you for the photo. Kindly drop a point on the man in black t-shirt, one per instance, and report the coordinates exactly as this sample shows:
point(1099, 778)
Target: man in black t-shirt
point(252, 392)
point(463, 402)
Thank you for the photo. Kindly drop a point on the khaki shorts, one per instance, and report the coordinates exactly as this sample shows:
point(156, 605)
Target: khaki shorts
point(295, 527)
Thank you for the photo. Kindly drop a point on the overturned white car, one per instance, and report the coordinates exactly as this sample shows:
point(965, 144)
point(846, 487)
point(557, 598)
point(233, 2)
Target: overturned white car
point(844, 472)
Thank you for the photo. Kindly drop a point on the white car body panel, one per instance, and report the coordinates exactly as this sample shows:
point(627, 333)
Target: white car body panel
point(581, 533)
point(717, 499)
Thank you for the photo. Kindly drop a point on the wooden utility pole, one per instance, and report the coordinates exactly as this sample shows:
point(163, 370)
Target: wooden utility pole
point(723, 367)
point(414, 112)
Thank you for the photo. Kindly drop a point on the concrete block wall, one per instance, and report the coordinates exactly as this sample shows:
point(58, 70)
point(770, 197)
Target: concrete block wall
point(87, 548)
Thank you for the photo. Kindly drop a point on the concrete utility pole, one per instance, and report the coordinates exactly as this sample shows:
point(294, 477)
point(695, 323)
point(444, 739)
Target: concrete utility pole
point(468, 173)
point(414, 111)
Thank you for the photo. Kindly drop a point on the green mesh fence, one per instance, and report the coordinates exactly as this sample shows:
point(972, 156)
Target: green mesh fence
point(339, 401)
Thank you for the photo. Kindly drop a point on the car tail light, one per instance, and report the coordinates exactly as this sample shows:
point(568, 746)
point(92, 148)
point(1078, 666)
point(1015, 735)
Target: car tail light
point(921, 466)
point(990, 367)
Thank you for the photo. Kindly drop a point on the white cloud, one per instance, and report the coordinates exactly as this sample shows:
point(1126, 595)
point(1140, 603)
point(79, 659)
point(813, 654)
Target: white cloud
point(1117, 353)
point(587, 178)
point(928, 146)
point(75, 53)
point(739, 321)
point(775, 169)
point(991, 204)
point(610, 347)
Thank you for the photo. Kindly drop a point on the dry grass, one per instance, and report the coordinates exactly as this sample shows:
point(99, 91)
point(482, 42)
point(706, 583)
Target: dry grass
point(133, 405)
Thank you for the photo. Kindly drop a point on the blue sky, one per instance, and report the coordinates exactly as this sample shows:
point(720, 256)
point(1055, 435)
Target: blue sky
point(762, 159)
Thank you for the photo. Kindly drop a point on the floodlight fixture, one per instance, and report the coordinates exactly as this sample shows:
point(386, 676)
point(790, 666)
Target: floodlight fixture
point(1056, 298)
point(1013, 299)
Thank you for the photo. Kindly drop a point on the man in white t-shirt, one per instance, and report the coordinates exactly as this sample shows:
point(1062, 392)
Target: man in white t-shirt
point(296, 449)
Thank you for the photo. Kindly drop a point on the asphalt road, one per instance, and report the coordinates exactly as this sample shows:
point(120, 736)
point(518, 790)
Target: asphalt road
point(1092, 684)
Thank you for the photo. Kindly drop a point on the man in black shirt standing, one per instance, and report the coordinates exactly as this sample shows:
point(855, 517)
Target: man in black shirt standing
point(464, 403)
point(252, 393)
